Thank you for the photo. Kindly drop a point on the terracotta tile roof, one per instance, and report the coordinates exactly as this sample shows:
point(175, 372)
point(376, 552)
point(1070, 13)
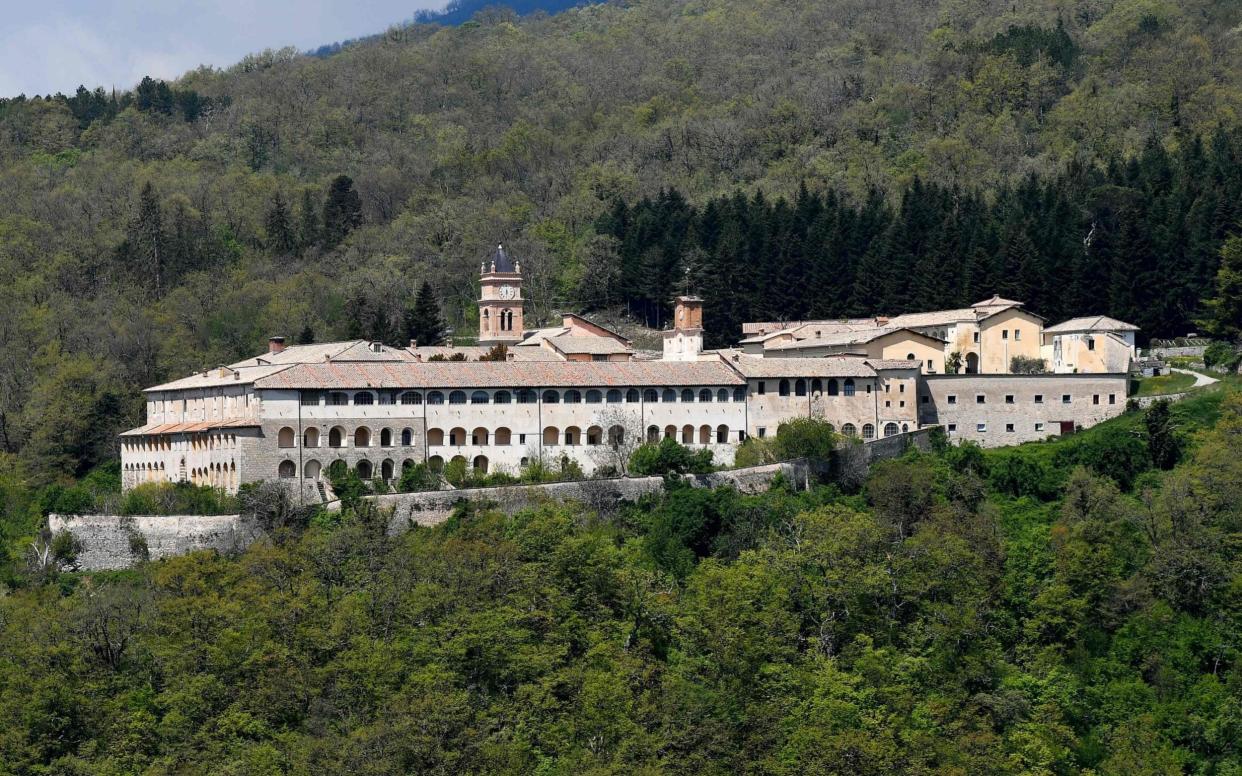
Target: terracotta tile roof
point(845, 338)
point(201, 425)
point(1091, 323)
point(997, 301)
point(503, 375)
point(894, 363)
point(830, 366)
point(473, 352)
point(593, 345)
point(215, 378)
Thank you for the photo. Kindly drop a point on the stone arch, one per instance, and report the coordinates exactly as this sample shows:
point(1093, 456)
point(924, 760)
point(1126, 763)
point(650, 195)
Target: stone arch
point(364, 398)
point(310, 437)
point(616, 436)
point(817, 386)
point(573, 436)
point(338, 468)
point(407, 437)
point(722, 434)
point(435, 463)
point(386, 437)
point(285, 437)
point(480, 397)
point(687, 434)
point(457, 436)
point(848, 386)
point(362, 437)
point(479, 436)
point(336, 437)
point(594, 397)
point(800, 387)
point(653, 434)
point(480, 464)
point(670, 432)
point(365, 469)
point(435, 437)
point(551, 436)
point(783, 388)
point(551, 397)
point(502, 436)
point(687, 395)
point(457, 397)
point(387, 469)
point(287, 469)
point(868, 431)
point(312, 469)
point(849, 429)
point(594, 435)
point(972, 363)
point(705, 435)
point(890, 429)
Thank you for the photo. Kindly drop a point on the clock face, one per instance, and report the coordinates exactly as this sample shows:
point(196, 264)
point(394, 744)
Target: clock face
point(507, 292)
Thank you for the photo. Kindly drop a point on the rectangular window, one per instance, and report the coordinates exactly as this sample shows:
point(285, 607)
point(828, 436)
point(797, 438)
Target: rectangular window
point(598, 357)
point(1090, 344)
point(1039, 398)
point(1009, 398)
point(763, 432)
point(976, 338)
point(310, 398)
point(1004, 333)
point(521, 439)
point(951, 399)
point(887, 403)
point(981, 428)
point(901, 403)
point(1009, 428)
point(1039, 426)
point(980, 399)
point(1017, 334)
point(1112, 398)
point(1095, 398)
point(952, 427)
point(1065, 398)
point(901, 388)
point(763, 387)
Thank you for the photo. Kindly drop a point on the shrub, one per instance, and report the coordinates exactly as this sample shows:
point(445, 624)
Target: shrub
point(1024, 365)
point(418, 477)
point(804, 438)
point(669, 457)
point(181, 498)
point(1223, 355)
point(754, 452)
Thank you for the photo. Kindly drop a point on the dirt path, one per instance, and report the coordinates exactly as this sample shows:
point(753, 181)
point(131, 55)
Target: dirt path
point(1200, 379)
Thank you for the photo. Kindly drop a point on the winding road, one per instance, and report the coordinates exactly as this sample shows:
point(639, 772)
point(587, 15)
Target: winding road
point(1200, 379)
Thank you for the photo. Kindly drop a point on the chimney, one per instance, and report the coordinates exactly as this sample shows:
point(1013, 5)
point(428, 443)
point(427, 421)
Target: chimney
point(414, 344)
point(275, 344)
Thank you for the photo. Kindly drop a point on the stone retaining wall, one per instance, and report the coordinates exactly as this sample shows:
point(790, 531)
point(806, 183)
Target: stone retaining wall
point(114, 542)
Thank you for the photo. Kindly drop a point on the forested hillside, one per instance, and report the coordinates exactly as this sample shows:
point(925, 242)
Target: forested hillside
point(1071, 607)
point(154, 232)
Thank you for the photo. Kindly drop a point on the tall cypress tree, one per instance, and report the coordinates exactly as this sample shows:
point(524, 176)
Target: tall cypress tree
point(423, 323)
point(147, 238)
point(279, 226)
point(342, 211)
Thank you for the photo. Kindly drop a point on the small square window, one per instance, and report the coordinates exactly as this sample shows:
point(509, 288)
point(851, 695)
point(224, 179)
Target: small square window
point(982, 428)
point(1095, 398)
point(1009, 398)
point(929, 365)
point(887, 403)
point(952, 427)
point(887, 387)
point(901, 403)
point(1065, 398)
point(1009, 428)
point(1039, 398)
point(521, 439)
point(1017, 334)
point(1004, 333)
point(926, 399)
point(901, 388)
point(976, 337)
point(951, 399)
point(762, 432)
point(1112, 398)
point(1090, 344)
point(980, 399)
point(1039, 426)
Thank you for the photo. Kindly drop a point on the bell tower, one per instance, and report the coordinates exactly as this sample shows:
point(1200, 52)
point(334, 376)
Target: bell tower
point(684, 342)
point(500, 300)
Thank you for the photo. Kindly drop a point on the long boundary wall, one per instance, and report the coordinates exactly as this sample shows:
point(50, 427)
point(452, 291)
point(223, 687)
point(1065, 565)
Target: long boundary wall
point(116, 542)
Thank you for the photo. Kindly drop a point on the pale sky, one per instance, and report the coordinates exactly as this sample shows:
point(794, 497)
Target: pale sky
point(48, 46)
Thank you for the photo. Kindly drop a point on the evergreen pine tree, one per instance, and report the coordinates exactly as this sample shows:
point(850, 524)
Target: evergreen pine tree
point(342, 211)
point(423, 323)
point(308, 225)
point(147, 238)
point(279, 225)
point(1223, 316)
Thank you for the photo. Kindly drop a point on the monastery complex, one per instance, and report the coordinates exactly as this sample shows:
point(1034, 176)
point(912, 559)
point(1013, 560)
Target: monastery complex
point(580, 390)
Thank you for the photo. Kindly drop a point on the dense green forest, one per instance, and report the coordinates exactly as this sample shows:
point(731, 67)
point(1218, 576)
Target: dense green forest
point(1081, 156)
point(1057, 608)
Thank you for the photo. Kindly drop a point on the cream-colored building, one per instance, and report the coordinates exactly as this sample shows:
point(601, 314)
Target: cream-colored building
point(575, 391)
point(1091, 344)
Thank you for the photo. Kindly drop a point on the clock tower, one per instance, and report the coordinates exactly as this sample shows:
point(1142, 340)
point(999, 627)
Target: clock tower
point(500, 300)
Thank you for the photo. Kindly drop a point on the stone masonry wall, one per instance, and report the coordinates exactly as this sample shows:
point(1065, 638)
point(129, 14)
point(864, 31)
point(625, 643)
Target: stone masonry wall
point(114, 542)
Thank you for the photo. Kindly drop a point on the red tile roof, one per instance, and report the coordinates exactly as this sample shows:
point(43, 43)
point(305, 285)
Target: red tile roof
point(330, 376)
